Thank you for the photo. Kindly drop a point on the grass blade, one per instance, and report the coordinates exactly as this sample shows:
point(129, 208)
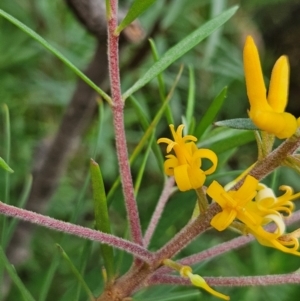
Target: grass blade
point(5, 166)
point(191, 98)
point(161, 84)
point(76, 273)
point(101, 216)
point(143, 166)
point(211, 113)
point(223, 139)
point(15, 278)
point(145, 124)
point(136, 9)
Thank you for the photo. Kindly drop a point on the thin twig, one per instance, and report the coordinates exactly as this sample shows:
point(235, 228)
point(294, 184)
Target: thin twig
point(118, 113)
point(229, 281)
point(79, 231)
point(164, 197)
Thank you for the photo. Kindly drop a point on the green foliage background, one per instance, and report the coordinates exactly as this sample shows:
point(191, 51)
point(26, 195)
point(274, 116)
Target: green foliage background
point(37, 87)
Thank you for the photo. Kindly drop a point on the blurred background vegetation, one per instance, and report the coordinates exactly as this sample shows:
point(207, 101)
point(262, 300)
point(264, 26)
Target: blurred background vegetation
point(37, 88)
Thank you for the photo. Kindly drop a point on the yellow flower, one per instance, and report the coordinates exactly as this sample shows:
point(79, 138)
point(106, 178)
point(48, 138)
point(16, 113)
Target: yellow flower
point(185, 165)
point(255, 214)
point(233, 203)
point(267, 112)
point(271, 208)
point(267, 203)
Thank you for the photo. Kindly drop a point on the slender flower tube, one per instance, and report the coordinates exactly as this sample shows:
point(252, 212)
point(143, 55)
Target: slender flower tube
point(267, 112)
point(185, 165)
point(186, 272)
point(198, 281)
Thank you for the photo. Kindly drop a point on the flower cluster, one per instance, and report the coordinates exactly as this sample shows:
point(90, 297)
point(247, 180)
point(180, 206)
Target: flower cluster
point(267, 111)
point(255, 205)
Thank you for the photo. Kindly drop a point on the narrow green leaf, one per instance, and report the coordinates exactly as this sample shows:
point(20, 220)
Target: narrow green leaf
point(101, 216)
point(238, 123)
point(84, 259)
point(224, 139)
point(181, 48)
point(100, 127)
point(136, 9)
point(191, 99)
point(142, 166)
point(49, 275)
point(145, 124)
point(76, 273)
point(7, 143)
point(15, 278)
point(5, 166)
point(211, 113)
point(55, 52)
point(213, 40)
point(161, 84)
point(108, 9)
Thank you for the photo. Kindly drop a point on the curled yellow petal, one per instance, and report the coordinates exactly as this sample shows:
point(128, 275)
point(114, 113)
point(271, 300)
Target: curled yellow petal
point(170, 164)
point(207, 154)
point(222, 220)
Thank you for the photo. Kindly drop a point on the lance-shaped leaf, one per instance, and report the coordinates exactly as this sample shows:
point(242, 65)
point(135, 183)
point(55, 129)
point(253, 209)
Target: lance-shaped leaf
point(181, 48)
point(211, 113)
point(238, 123)
point(5, 166)
point(15, 278)
point(145, 125)
point(222, 139)
point(139, 177)
point(161, 83)
point(136, 9)
point(76, 272)
point(101, 216)
point(191, 99)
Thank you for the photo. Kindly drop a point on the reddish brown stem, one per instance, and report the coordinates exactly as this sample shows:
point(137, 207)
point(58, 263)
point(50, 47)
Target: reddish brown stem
point(118, 116)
